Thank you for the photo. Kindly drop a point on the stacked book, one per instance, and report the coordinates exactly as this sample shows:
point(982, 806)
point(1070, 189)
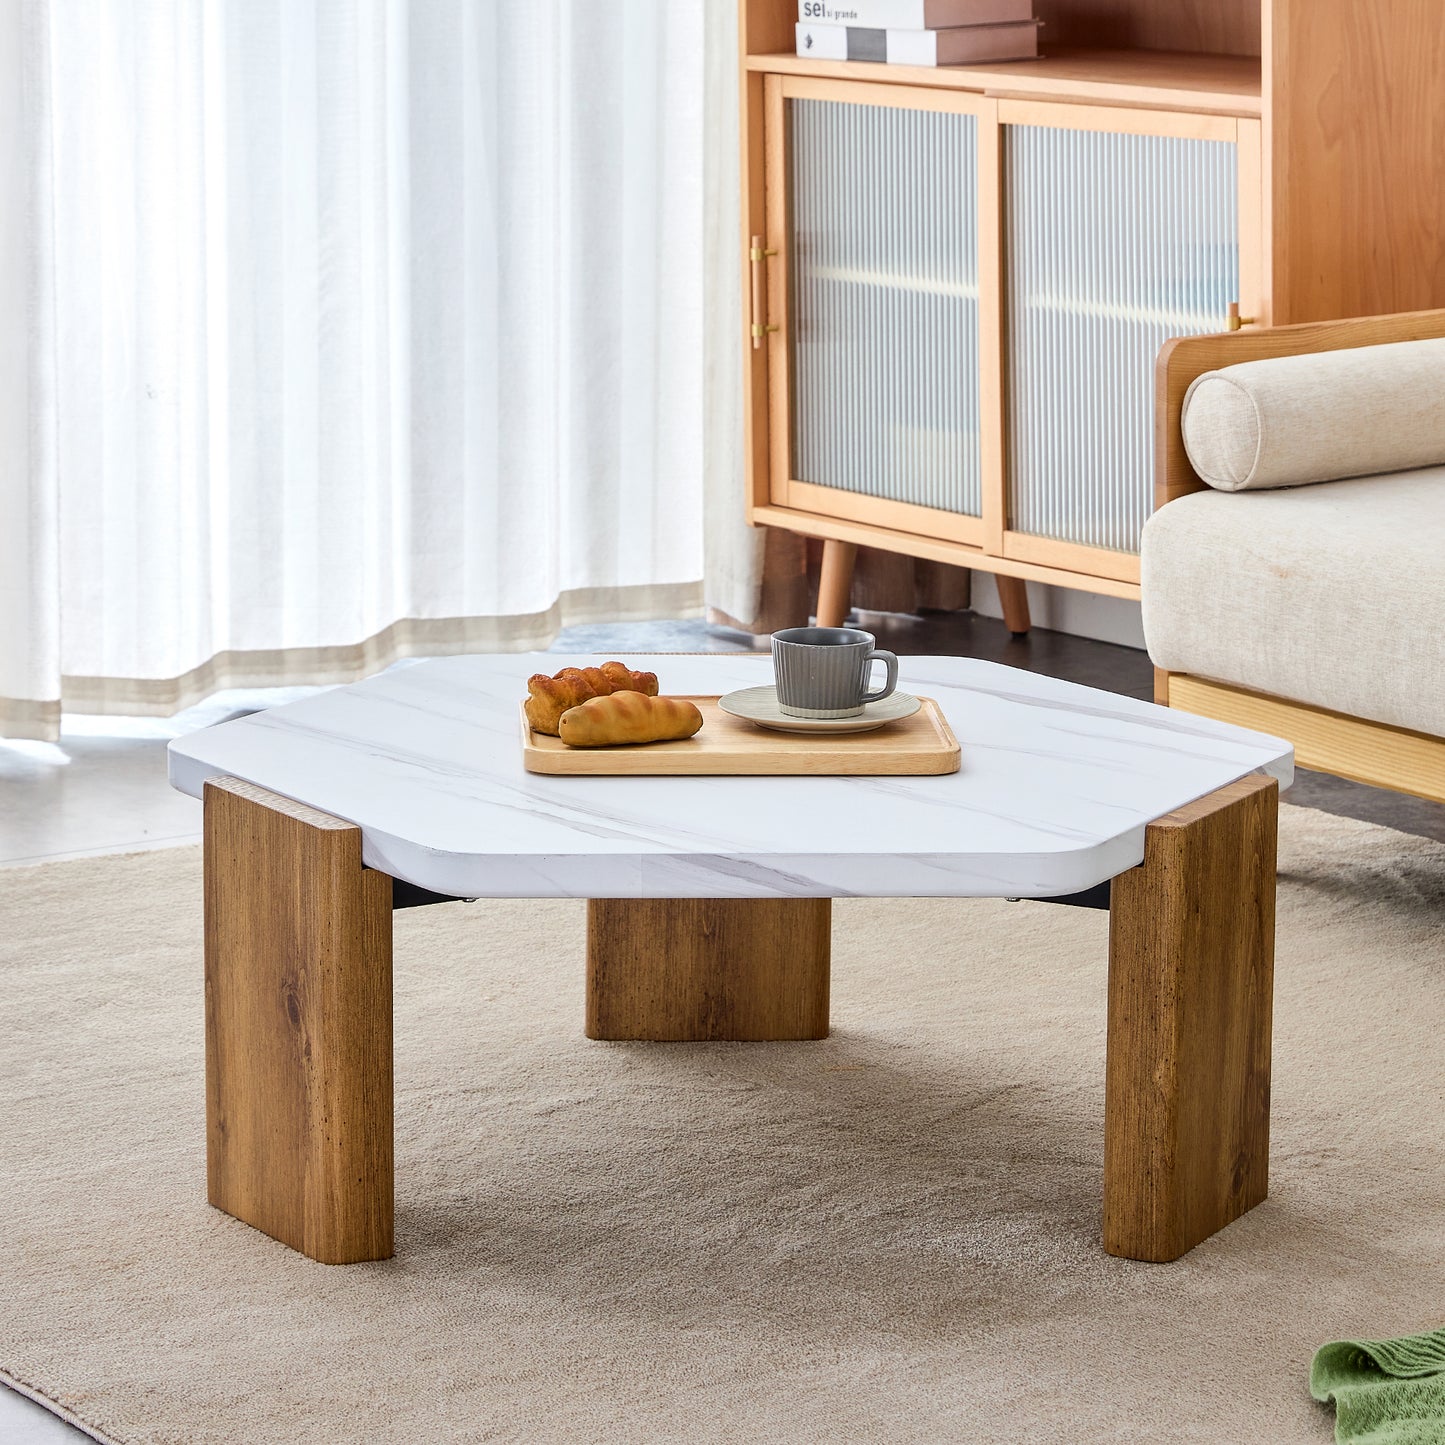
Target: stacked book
point(918, 32)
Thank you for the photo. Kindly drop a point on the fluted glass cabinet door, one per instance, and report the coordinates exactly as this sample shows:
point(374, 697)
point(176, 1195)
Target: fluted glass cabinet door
point(1114, 242)
point(880, 336)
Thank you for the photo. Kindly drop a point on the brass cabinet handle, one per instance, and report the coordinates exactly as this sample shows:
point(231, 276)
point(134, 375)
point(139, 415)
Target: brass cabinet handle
point(757, 253)
point(1236, 320)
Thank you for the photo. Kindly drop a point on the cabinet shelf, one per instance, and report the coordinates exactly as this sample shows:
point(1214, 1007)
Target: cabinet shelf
point(1186, 320)
point(1164, 79)
point(895, 281)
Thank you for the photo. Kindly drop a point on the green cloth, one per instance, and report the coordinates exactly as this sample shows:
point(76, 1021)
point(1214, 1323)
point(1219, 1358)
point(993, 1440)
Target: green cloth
point(1386, 1392)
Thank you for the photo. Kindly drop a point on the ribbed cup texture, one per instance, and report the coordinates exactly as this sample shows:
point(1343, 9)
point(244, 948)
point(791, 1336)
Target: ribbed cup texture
point(821, 679)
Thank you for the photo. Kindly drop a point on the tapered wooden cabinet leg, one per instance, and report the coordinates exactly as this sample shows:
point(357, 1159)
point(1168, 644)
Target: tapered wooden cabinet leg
point(1191, 988)
point(681, 969)
point(835, 583)
point(298, 1026)
point(1013, 597)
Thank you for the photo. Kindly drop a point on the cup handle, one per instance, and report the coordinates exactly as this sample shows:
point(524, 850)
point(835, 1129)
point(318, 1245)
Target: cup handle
point(891, 663)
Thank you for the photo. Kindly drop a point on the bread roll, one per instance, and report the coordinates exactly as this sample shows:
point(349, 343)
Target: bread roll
point(628, 717)
point(549, 697)
point(624, 679)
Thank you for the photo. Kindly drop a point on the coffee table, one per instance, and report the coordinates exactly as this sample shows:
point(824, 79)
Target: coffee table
point(710, 909)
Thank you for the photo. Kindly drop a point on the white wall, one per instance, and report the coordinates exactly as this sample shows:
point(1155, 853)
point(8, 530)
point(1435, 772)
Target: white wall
point(1062, 609)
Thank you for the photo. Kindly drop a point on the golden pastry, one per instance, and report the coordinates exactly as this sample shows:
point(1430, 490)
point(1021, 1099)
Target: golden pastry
point(549, 697)
point(628, 717)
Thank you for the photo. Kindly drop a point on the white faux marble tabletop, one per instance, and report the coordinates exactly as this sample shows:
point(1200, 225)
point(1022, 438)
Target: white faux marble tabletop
point(1057, 785)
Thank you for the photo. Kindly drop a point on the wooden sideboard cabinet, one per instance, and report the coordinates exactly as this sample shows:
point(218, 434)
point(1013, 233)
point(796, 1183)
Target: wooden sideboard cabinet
point(957, 280)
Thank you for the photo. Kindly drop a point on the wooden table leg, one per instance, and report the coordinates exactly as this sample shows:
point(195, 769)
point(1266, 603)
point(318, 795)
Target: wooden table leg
point(298, 1026)
point(682, 969)
point(1191, 984)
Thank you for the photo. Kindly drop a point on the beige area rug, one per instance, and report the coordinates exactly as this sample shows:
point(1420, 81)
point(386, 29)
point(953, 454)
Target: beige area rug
point(889, 1236)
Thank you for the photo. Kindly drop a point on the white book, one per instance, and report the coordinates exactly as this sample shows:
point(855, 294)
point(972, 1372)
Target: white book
point(841, 42)
point(912, 14)
point(963, 44)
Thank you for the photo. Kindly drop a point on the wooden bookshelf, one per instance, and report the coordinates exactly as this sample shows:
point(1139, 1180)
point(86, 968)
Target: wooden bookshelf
point(1164, 79)
point(1334, 117)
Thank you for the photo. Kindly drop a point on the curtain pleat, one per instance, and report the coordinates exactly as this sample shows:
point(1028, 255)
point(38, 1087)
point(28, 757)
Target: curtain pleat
point(736, 553)
point(29, 500)
point(375, 328)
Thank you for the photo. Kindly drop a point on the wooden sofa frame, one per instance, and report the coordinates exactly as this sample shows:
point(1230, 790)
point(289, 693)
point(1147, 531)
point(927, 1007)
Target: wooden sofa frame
point(1329, 742)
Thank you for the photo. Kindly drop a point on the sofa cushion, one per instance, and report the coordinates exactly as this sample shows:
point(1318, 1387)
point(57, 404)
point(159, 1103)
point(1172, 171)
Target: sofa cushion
point(1315, 418)
point(1332, 595)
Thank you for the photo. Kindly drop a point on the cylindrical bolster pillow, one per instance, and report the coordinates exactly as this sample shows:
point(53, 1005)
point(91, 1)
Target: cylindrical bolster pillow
point(1318, 418)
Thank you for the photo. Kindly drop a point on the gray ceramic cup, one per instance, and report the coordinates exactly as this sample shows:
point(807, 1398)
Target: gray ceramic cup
point(823, 671)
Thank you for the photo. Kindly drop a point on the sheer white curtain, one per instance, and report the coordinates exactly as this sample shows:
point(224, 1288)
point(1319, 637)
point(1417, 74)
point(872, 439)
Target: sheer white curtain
point(734, 550)
point(335, 330)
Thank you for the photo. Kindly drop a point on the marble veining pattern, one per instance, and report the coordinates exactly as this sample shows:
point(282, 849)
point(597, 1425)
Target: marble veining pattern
point(1057, 785)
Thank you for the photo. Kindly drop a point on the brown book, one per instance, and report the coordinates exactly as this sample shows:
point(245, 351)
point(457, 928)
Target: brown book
point(912, 14)
point(964, 44)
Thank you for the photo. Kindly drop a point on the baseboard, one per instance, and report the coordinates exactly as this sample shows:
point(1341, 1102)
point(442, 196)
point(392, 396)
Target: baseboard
point(1064, 609)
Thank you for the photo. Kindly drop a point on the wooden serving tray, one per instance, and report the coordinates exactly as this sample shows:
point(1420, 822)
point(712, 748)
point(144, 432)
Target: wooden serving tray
point(921, 744)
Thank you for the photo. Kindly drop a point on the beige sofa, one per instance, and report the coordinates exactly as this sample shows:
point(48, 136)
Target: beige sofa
point(1294, 569)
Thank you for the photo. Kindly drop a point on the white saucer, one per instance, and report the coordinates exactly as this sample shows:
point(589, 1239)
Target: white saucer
point(760, 705)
